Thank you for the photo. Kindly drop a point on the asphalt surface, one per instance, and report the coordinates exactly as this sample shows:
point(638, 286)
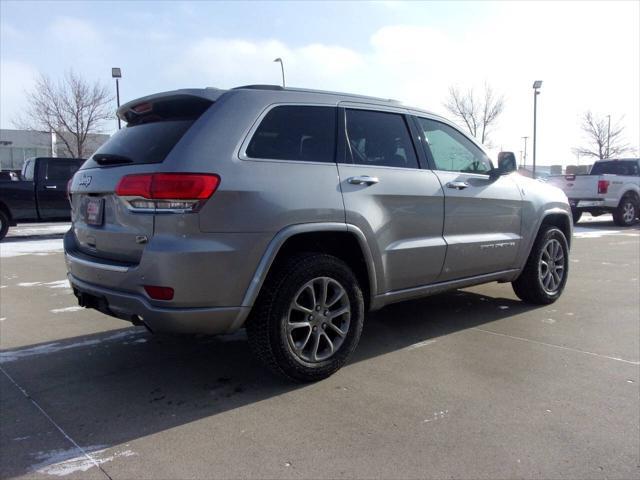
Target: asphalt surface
point(469, 384)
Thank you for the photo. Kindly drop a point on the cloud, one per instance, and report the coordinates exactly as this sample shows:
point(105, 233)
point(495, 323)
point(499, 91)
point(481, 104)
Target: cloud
point(74, 30)
point(586, 53)
point(15, 79)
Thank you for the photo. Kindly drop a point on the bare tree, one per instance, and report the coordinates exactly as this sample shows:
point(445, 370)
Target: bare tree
point(478, 112)
point(601, 141)
point(72, 108)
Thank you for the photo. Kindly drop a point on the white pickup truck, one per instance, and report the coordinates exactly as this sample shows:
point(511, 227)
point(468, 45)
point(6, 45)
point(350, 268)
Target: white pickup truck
point(612, 186)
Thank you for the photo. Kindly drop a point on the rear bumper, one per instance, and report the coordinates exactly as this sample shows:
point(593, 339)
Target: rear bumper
point(134, 308)
point(588, 203)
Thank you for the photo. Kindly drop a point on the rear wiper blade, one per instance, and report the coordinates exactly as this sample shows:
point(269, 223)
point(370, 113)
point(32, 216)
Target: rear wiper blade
point(110, 159)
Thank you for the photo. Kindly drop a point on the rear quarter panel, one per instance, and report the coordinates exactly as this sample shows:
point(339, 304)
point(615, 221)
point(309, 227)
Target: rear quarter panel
point(254, 195)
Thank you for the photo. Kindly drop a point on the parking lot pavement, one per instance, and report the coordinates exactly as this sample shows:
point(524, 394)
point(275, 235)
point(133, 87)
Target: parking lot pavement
point(469, 384)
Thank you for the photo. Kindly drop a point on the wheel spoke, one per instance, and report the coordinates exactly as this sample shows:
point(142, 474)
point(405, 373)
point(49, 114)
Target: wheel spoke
point(291, 326)
point(311, 288)
point(314, 349)
point(328, 340)
point(337, 296)
point(301, 308)
point(336, 329)
point(324, 292)
point(547, 279)
point(339, 312)
point(305, 342)
point(545, 265)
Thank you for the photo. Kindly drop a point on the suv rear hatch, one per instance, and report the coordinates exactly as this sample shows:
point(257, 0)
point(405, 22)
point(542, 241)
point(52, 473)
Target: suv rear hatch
point(117, 192)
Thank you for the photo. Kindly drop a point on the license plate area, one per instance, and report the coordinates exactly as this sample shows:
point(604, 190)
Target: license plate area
point(94, 211)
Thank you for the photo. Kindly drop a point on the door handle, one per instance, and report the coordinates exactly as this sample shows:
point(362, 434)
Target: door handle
point(363, 180)
point(51, 187)
point(457, 185)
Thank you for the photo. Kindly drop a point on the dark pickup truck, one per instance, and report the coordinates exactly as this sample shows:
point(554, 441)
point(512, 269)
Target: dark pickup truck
point(41, 193)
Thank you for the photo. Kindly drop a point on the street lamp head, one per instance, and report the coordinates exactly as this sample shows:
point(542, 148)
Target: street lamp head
point(278, 60)
point(116, 72)
point(537, 84)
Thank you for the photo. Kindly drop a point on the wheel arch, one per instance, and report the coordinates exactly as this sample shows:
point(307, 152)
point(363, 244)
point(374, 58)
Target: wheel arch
point(557, 217)
point(630, 193)
point(346, 242)
point(560, 219)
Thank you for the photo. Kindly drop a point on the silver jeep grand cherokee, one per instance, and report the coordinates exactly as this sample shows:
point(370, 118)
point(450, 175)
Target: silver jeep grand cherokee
point(293, 212)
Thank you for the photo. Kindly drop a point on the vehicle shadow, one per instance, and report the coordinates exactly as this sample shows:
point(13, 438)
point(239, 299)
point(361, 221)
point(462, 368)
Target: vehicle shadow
point(114, 387)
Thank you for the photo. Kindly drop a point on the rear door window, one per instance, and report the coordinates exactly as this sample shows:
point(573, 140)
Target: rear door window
point(296, 132)
point(59, 170)
point(152, 130)
point(379, 139)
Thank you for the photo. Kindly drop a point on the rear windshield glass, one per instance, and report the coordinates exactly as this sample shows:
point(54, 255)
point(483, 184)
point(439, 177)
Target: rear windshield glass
point(616, 167)
point(148, 137)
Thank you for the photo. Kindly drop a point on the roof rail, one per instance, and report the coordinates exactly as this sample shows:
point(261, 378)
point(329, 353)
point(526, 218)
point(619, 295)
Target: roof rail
point(259, 87)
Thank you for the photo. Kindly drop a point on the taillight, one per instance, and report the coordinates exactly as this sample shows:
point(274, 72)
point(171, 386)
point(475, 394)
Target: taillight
point(167, 191)
point(603, 186)
point(159, 293)
point(570, 177)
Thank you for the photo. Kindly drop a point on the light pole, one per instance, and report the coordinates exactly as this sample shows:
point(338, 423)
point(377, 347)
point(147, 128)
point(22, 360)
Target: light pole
point(524, 165)
point(279, 60)
point(117, 74)
point(536, 86)
point(608, 133)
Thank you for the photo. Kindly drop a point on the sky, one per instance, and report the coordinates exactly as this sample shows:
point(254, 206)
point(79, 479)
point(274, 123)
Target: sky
point(586, 53)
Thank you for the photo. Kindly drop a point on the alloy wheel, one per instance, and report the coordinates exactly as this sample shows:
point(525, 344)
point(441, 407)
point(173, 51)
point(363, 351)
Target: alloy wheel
point(318, 320)
point(551, 267)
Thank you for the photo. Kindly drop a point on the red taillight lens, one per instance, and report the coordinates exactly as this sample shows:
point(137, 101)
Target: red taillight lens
point(159, 293)
point(135, 186)
point(169, 186)
point(176, 186)
point(570, 178)
point(603, 186)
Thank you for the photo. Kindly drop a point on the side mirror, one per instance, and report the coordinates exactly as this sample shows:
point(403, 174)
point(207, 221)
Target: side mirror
point(507, 163)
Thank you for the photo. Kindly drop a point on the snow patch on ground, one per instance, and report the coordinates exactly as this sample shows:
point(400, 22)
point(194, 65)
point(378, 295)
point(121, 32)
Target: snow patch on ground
point(30, 247)
point(8, 356)
point(65, 462)
point(27, 230)
point(55, 284)
point(66, 309)
point(582, 232)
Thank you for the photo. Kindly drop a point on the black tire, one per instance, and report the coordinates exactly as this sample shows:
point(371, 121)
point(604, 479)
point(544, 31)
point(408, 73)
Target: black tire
point(577, 215)
point(4, 225)
point(529, 285)
point(621, 215)
point(266, 325)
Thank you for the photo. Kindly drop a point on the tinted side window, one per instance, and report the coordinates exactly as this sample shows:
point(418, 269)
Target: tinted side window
point(297, 132)
point(379, 139)
point(616, 167)
point(60, 170)
point(451, 150)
